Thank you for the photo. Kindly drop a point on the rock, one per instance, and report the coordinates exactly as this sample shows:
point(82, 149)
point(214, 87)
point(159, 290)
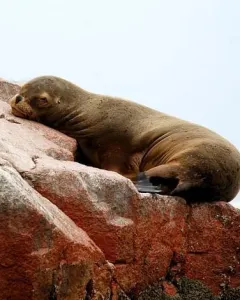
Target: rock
point(43, 254)
point(7, 89)
point(169, 288)
point(22, 141)
point(138, 246)
point(213, 250)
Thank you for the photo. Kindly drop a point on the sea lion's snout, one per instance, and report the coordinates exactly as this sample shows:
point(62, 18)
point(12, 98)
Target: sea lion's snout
point(15, 100)
point(20, 108)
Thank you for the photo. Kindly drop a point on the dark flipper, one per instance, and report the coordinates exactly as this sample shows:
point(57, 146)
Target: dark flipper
point(195, 192)
point(144, 184)
point(144, 187)
point(155, 184)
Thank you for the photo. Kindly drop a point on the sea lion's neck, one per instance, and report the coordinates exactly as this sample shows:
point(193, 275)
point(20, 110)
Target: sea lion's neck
point(74, 117)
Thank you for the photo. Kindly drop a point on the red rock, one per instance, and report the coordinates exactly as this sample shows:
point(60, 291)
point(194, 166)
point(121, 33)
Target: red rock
point(146, 237)
point(213, 254)
point(169, 288)
point(42, 252)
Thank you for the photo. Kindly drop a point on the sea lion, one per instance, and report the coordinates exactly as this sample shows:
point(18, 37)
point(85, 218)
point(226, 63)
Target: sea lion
point(158, 152)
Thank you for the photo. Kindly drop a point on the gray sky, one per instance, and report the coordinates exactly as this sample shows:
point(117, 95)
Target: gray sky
point(180, 57)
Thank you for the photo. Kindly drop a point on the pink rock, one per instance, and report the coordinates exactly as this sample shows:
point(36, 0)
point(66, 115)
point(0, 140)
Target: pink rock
point(22, 141)
point(7, 89)
point(149, 240)
point(43, 253)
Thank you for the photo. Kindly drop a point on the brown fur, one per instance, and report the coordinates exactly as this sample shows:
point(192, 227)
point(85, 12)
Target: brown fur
point(140, 143)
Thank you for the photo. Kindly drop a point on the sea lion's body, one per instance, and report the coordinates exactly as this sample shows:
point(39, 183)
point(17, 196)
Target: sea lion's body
point(138, 142)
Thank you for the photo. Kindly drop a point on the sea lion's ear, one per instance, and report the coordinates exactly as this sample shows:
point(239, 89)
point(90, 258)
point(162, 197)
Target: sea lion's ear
point(57, 100)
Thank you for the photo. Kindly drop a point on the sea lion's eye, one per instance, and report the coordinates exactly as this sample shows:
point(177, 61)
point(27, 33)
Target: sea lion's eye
point(43, 100)
point(40, 102)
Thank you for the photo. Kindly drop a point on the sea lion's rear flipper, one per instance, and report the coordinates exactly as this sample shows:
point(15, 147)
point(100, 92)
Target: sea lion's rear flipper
point(195, 191)
point(183, 188)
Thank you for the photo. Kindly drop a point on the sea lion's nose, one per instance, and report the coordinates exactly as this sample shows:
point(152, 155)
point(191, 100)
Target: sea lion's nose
point(18, 99)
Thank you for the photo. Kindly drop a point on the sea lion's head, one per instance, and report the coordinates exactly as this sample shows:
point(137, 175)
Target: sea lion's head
point(43, 97)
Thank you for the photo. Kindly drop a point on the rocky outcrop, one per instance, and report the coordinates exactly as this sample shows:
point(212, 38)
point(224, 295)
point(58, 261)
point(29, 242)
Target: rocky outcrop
point(69, 231)
point(43, 253)
point(7, 89)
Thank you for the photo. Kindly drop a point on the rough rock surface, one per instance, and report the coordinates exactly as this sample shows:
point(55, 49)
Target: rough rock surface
point(7, 89)
point(43, 254)
point(74, 232)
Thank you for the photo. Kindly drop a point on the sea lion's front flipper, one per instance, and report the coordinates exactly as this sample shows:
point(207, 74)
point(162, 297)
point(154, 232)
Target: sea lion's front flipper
point(161, 180)
point(144, 184)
